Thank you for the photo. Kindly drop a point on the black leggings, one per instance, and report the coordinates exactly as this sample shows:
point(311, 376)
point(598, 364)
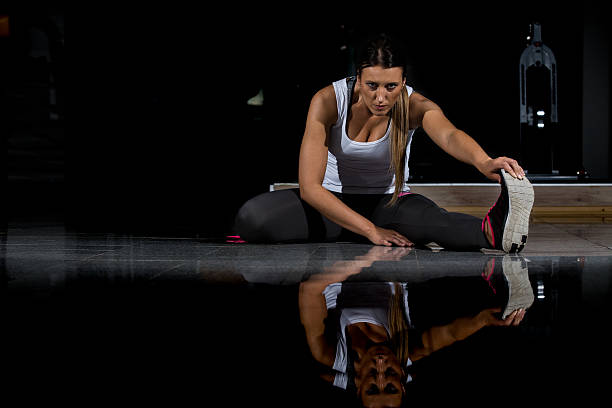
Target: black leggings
point(282, 216)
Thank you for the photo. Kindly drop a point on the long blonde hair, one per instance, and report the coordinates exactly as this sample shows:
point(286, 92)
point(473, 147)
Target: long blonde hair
point(388, 51)
point(398, 325)
point(400, 131)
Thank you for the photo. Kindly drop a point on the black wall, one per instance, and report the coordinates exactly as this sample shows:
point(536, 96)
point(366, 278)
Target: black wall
point(160, 138)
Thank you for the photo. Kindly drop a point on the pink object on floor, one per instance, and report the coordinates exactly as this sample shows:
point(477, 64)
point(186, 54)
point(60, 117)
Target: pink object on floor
point(236, 240)
point(404, 193)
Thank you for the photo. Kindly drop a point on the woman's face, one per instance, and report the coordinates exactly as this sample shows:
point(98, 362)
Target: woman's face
point(378, 377)
point(380, 87)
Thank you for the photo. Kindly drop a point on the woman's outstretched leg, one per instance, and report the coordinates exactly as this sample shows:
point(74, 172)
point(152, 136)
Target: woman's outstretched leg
point(282, 216)
point(422, 221)
point(505, 227)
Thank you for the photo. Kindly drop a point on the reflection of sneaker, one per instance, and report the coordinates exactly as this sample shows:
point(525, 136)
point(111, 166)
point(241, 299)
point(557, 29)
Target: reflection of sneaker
point(520, 292)
point(487, 273)
point(509, 217)
point(257, 100)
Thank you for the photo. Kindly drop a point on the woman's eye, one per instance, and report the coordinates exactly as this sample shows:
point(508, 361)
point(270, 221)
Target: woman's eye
point(390, 372)
point(391, 87)
point(372, 86)
point(372, 390)
point(391, 389)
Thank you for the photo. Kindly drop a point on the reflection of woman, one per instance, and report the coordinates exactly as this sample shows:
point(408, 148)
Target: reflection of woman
point(362, 335)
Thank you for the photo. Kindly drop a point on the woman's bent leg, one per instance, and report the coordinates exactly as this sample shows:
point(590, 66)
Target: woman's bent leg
point(282, 216)
point(421, 220)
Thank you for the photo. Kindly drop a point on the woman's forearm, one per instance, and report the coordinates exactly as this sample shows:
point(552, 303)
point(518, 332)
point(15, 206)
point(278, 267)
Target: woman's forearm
point(464, 148)
point(335, 210)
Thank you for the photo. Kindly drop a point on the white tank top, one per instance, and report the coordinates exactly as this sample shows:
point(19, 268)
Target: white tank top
point(359, 167)
point(351, 315)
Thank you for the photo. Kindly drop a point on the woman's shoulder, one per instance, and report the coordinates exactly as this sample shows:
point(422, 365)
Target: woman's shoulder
point(324, 102)
point(327, 93)
point(335, 91)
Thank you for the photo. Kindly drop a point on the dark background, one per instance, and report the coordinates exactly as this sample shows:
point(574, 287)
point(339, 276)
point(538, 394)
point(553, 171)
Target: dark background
point(160, 138)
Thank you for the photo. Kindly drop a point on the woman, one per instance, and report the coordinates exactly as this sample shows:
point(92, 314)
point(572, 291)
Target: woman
point(353, 169)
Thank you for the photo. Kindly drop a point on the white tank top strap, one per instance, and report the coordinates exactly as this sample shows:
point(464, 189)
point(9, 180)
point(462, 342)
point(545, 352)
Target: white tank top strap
point(341, 90)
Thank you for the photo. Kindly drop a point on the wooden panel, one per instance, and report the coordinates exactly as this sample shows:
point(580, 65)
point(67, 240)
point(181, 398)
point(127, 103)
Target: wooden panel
point(563, 215)
point(445, 195)
point(545, 195)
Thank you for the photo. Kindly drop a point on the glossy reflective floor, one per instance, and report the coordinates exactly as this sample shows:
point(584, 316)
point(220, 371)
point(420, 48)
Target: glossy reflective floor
point(135, 319)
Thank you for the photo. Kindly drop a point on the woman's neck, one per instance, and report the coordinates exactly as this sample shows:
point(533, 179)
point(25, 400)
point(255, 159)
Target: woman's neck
point(364, 334)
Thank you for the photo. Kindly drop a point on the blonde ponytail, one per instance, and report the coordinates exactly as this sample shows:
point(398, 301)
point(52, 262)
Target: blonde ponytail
point(399, 141)
point(398, 325)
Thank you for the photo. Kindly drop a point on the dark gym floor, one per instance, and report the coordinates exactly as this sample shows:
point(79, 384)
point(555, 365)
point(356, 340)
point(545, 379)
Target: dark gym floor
point(107, 316)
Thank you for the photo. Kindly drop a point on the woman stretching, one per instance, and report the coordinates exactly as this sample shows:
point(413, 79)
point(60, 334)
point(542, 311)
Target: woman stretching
point(353, 169)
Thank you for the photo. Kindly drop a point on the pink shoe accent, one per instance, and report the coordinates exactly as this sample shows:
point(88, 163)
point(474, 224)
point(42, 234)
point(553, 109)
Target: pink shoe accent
point(488, 219)
point(492, 233)
point(488, 277)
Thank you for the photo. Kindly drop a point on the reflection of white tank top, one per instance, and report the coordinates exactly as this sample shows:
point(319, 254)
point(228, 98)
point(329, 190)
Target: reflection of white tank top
point(352, 315)
point(359, 167)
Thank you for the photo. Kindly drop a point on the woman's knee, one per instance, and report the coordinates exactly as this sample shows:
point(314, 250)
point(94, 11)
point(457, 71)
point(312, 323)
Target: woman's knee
point(271, 217)
point(247, 222)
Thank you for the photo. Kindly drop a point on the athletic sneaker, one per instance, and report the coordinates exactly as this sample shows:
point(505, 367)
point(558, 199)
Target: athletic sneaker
point(509, 217)
point(520, 292)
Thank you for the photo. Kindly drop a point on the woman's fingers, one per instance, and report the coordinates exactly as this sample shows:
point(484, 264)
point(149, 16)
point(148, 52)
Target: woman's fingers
point(389, 237)
point(512, 167)
point(519, 317)
point(515, 317)
point(509, 169)
point(518, 170)
point(510, 318)
point(401, 240)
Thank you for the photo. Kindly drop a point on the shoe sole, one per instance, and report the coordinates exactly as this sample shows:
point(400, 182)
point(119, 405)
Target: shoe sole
point(520, 202)
point(520, 292)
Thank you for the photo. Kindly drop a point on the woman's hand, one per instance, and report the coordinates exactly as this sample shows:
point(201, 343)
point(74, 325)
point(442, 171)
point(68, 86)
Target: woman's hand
point(513, 319)
point(379, 253)
point(490, 168)
point(387, 237)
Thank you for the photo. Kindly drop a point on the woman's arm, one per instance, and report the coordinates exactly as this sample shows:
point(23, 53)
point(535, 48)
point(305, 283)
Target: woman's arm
point(455, 142)
point(439, 337)
point(322, 114)
point(313, 308)
point(313, 312)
